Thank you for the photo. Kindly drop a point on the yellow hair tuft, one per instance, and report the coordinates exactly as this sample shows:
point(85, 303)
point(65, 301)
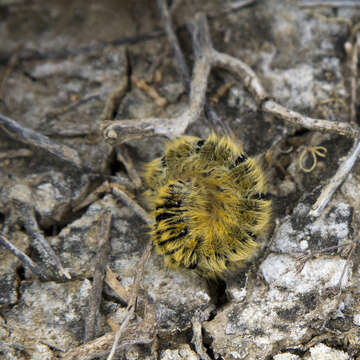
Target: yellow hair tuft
point(210, 204)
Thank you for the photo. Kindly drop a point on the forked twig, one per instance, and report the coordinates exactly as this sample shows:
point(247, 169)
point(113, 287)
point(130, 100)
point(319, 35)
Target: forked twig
point(207, 57)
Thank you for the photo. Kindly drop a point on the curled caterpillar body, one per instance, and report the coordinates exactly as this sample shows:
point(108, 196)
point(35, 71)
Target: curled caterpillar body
point(210, 204)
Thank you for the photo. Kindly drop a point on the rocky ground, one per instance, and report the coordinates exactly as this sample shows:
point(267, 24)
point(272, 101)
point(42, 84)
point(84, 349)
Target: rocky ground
point(59, 63)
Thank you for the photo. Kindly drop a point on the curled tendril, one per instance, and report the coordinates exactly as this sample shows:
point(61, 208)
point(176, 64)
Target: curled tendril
point(314, 151)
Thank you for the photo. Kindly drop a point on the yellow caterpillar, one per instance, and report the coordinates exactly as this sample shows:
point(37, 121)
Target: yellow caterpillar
point(210, 204)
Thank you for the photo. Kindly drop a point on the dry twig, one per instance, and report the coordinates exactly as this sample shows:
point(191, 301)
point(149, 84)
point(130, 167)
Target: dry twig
point(31, 137)
point(141, 84)
point(113, 282)
point(207, 57)
point(13, 61)
point(114, 99)
point(295, 118)
point(174, 43)
point(221, 91)
point(124, 157)
point(56, 52)
point(10, 154)
point(24, 258)
point(105, 187)
point(334, 3)
point(197, 339)
point(352, 49)
point(101, 259)
point(40, 243)
point(137, 334)
point(334, 183)
point(21, 199)
point(121, 131)
point(120, 194)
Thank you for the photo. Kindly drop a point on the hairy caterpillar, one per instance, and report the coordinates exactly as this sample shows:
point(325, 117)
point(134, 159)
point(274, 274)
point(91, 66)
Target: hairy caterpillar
point(210, 204)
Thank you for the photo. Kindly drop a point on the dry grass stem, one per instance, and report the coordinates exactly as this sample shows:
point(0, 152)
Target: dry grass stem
point(221, 91)
point(112, 281)
point(120, 331)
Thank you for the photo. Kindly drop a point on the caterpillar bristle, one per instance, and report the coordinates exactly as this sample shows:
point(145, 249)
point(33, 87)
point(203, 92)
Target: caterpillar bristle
point(210, 204)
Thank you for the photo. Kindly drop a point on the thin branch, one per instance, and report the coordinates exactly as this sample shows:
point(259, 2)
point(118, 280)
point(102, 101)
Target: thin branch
point(241, 70)
point(72, 107)
point(101, 260)
point(112, 281)
point(123, 156)
point(231, 7)
point(39, 241)
point(102, 345)
point(105, 187)
point(197, 339)
point(351, 252)
point(352, 53)
point(236, 5)
point(114, 99)
point(120, 194)
point(31, 137)
point(24, 258)
point(303, 258)
point(207, 57)
point(150, 91)
point(30, 54)
point(337, 4)
point(174, 43)
point(117, 132)
point(295, 118)
point(13, 61)
point(140, 266)
point(10, 154)
point(341, 174)
point(202, 47)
